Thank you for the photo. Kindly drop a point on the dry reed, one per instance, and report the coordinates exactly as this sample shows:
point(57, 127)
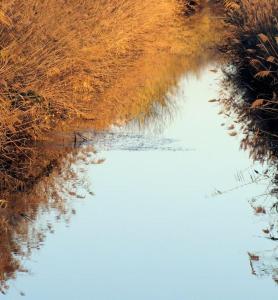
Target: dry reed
point(253, 50)
point(71, 63)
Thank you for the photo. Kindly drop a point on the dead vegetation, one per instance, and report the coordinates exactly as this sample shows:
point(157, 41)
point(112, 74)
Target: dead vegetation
point(58, 59)
point(66, 63)
point(253, 52)
point(72, 64)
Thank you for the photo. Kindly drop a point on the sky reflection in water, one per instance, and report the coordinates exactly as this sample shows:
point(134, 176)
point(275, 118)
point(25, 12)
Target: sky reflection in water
point(155, 229)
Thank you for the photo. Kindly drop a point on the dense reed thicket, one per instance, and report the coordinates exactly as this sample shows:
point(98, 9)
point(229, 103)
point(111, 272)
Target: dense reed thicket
point(57, 61)
point(253, 51)
point(67, 62)
point(71, 64)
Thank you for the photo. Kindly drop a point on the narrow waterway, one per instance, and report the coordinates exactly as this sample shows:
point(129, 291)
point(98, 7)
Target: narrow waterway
point(170, 218)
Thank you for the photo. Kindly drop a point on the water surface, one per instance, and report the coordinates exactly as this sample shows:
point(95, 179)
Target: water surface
point(170, 218)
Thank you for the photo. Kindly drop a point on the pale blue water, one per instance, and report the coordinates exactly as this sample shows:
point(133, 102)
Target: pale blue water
point(154, 230)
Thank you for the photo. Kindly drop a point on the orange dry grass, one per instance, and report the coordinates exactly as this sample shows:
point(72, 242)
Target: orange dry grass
point(70, 60)
point(69, 52)
point(59, 57)
point(182, 47)
point(254, 15)
point(79, 63)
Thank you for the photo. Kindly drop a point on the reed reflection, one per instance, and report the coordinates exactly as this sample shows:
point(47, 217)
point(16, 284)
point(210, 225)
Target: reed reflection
point(43, 177)
point(258, 138)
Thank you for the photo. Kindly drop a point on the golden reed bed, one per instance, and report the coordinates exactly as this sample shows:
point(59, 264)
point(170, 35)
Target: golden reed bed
point(71, 63)
point(68, 65)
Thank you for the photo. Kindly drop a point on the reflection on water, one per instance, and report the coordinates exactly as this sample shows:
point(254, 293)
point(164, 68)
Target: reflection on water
point(132, 141)
point(22, 227)
point(261, 144)
point(40, 181)
point(169, 206)
point(264, 263)
point(158, 231)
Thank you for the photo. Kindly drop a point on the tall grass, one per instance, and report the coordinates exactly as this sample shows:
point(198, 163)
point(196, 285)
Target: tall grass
point(59, 58)
point(70, 64)
point(67, 62)
point(253, 50)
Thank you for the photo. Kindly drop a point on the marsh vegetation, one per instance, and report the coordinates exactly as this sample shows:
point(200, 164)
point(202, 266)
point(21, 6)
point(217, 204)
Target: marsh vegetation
point(71, 67)
point(82, 66)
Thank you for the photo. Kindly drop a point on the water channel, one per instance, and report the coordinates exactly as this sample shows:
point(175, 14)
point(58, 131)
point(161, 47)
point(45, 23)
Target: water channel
point(170, 217)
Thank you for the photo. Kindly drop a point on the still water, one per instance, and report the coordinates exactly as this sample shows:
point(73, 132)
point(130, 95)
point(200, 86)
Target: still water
point(170, 219)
